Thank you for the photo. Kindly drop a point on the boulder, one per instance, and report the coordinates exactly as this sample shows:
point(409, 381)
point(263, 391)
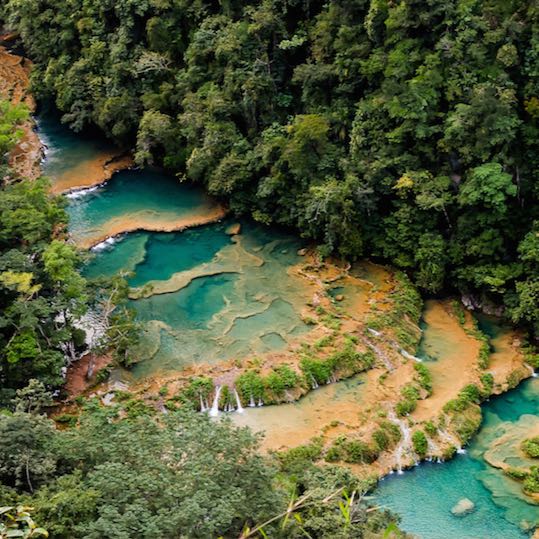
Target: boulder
point(302, 252)
point(233, 229)
point(339, 297)
point(463, 507)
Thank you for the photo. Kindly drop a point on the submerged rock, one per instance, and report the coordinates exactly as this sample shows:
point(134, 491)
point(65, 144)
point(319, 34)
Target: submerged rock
point(339, 297)
point(233, 229)
point(463, 507)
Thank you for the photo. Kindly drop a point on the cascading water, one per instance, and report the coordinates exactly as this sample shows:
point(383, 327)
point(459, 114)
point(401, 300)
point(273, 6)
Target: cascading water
point(407, 355)
point(238, 402)
point(214, 411)
point(203, 408)
point(532, 371)
point(453, 441)
point(405, 444)
point(252, 403)
point(314, 382)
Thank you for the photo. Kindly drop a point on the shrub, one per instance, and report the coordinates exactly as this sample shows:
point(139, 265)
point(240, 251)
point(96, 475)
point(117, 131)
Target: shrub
point(487, 380)
point(430, 428)
point(424, 379)
point(468, 395)
point(420, 443)
point(531, 483)
point(516, 473)
point(297, 457)
point(69, 420)
point(380, 439)
point(514, 379)
point(318, 370)
point(200, 386)
point(530, 446)
point(102, 375)
point(333, 454)
point(458, 309)
point(250, 385)
point(137, 408)
point(405, 407)
point(356, 451)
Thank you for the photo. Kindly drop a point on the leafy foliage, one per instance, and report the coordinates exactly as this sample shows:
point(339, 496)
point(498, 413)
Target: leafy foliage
point(406, 131)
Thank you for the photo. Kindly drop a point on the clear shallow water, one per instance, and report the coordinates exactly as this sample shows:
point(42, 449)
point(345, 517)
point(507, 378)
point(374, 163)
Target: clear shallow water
point(293, 424)
point(253, 309)
point(226, 297)
point(66, 151)
point(132, 197)
point(425, 495)
point(248, 304)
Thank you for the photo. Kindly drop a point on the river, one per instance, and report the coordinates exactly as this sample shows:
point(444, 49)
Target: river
point(217, 294)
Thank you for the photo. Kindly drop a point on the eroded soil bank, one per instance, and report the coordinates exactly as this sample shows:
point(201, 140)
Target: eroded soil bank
point(26, 157)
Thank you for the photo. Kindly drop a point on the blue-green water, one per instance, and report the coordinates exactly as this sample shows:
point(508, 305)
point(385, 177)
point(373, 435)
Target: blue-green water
point(425, 495)
point(236, 299)
point(64, 150)
point(133, 197)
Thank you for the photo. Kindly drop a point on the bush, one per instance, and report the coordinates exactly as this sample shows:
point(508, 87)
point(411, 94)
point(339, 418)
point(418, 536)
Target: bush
point(318, 370)
point(531, 483)
point(430, 428)
point(381, 439)
point(405, 407)
point(530, 446)
point(409, 402)
point(333, 454)
point(470, 394)
point(298, 457)
point(516, 473)
point(201, 386)
point(70, 420)
point(487, 380)
point(386, 436)
point(356, 451)
point(420, 443)
point(424, 379)
point(250, 385)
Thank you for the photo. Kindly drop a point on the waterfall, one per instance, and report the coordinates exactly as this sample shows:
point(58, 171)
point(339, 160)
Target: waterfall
point(453, 441)
point(314, 382)
point(238, 402)
point(407, 355)
point(203, 408)
point(214, 412)
point(260, 403)
point(252, 401)
point(404, 446)
point(532, 370)
point(434, 448)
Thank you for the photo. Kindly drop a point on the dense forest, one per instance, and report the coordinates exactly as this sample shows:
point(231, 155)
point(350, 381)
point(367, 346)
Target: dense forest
point(400, 130)
point(119, 472)
point(41, 291)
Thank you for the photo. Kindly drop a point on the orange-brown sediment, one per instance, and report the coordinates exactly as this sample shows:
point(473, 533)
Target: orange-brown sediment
point(26, 157)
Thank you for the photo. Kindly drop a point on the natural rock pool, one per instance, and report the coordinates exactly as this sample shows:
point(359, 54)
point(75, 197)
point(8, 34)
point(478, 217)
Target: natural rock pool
point(425, 495)
point(214, 295)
